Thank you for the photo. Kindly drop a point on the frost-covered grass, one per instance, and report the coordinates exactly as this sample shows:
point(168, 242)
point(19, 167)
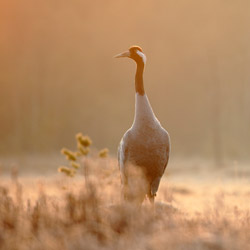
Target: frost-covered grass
point(196, 208)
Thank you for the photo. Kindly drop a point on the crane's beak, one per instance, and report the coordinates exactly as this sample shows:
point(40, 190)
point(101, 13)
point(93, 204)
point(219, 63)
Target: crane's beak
point(123, 54)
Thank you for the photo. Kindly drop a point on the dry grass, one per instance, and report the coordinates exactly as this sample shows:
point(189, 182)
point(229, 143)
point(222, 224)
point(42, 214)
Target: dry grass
point(196, 209)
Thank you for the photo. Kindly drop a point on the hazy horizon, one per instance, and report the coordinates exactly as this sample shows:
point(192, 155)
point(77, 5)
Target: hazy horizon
point(58, 76)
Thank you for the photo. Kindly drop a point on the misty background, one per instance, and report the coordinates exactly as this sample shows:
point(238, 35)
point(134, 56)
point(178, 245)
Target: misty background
point(58, 76)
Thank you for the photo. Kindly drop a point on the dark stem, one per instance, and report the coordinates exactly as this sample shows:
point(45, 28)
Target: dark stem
point(139, 87)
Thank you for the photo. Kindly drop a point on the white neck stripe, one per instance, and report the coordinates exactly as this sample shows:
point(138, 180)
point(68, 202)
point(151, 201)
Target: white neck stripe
point(142, 56)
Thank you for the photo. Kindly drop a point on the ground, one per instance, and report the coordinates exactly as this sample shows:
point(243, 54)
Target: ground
point(198, 206)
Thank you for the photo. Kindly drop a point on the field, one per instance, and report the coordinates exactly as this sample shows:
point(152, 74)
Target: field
point(197, 206)
point(59, 77)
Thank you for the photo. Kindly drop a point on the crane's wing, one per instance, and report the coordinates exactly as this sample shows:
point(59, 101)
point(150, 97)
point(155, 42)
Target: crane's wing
point(123, 155)
point(167, 157)
point(156, 182)
point(168, 147)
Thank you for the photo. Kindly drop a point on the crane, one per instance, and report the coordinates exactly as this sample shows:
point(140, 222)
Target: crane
point(143, 152)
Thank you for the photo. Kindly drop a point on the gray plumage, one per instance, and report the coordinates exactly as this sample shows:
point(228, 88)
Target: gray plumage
point(143, 152)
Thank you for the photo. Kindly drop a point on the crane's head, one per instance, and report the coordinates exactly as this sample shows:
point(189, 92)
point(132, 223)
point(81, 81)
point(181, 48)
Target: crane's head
point(135, 53)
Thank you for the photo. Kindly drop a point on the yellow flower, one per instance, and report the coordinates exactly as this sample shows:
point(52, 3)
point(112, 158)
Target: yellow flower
point(64, 169)
point(79, 136)
point(69, 154)
point(103, 153)
point(75, 165)
point(85, 141)
point(69, 172)
point(83, 150)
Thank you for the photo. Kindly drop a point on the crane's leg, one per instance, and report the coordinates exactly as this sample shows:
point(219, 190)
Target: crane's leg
point(125, 189)
point(151, 195)
point(152, 200)
point(153, 189)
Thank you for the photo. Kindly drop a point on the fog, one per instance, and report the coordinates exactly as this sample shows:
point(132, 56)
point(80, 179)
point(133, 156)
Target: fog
point(58, 76)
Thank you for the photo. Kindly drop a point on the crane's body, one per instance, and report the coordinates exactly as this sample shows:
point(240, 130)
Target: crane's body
point(145, 147)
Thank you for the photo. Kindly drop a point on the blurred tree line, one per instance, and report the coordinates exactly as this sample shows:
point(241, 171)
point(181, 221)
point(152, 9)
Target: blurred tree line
point(58, 77)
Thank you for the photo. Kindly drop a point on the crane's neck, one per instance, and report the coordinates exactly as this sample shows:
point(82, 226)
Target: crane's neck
point(139, 86)
point(144, 115)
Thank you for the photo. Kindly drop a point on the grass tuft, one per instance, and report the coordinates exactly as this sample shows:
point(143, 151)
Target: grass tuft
point(87, 213)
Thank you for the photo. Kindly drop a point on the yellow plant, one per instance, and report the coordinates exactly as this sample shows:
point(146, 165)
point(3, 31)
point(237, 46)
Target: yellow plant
point(69, 172)
point(71, 156)
point(103, 153)
point(83, 150)
point(75, 165)
point(85, 141)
